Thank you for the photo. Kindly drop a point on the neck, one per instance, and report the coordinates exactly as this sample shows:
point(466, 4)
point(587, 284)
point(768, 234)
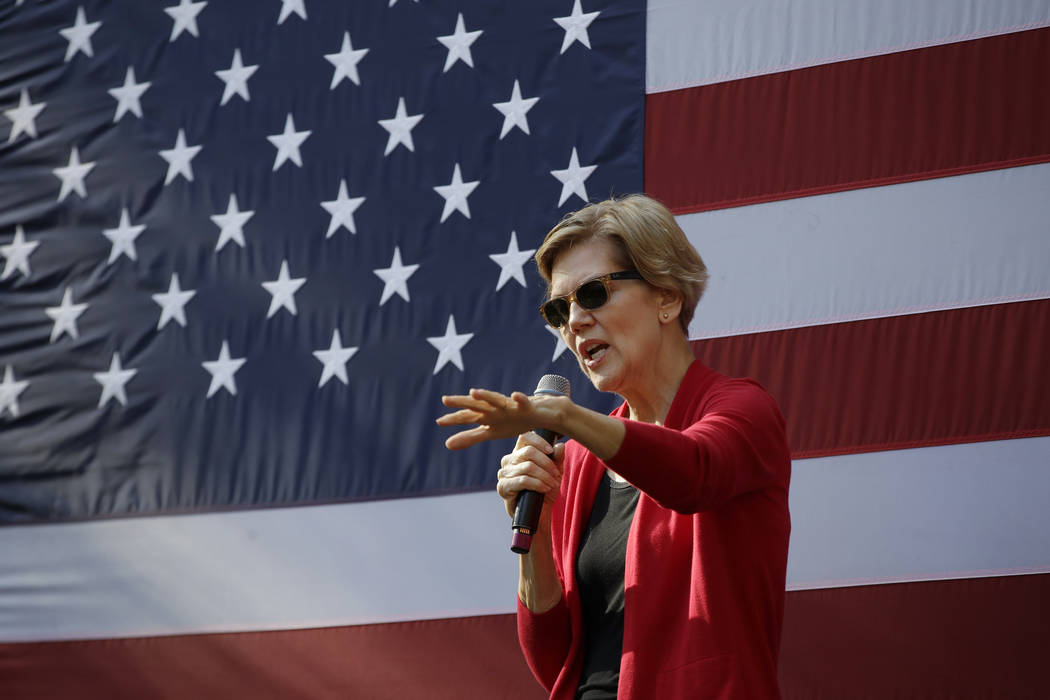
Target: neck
point(650, 401)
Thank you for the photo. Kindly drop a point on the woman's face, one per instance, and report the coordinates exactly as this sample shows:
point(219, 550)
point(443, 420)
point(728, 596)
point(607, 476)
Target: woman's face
point(616, 342)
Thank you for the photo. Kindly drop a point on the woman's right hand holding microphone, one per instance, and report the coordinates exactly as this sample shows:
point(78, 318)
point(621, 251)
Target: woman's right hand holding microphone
point(529, 467)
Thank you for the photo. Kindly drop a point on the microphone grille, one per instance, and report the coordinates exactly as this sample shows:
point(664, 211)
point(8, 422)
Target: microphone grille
point(553, 384)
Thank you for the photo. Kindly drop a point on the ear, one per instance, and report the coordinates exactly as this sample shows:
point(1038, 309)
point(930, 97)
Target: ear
point(669, 305)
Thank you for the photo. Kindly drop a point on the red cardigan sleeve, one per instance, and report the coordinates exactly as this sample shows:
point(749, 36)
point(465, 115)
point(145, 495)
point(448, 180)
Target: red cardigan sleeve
point(737, 445)
point(545, 640)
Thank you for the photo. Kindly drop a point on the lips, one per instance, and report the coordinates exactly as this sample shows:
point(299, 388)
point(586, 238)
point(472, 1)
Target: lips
point(592, 351)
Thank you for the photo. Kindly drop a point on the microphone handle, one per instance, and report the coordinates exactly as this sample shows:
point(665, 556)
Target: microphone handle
point(527, 509)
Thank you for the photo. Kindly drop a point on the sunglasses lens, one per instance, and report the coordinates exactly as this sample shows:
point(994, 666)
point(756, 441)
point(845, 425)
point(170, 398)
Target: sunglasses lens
point(556, 311)
point(589, 295)
point(592, 294)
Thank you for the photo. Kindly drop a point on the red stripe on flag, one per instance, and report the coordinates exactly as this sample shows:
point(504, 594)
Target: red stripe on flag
point(963, 638)
point(933, 112)
point(937, 378)
point(469, 657)
point(969, 638)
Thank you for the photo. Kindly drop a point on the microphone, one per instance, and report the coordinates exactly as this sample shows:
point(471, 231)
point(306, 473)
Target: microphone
point(530, 503)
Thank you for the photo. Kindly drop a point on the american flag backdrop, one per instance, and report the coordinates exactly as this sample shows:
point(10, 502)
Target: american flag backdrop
point(266, 239)
point(246, 246)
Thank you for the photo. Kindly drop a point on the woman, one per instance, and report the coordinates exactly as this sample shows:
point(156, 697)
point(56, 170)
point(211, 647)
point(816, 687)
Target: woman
point(657, 570)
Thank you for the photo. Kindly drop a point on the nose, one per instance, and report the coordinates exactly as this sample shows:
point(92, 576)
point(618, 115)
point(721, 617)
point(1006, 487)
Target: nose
point(579, 317)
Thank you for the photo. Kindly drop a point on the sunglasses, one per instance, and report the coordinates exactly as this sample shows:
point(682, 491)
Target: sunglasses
point(590, 295)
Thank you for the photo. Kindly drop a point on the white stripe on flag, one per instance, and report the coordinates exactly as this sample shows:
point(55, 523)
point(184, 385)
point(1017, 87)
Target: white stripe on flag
point(930, 513)
point(700, 43)
point(921, 246)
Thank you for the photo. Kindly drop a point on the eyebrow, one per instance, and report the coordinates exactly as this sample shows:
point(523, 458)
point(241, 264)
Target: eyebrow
point(576, 286)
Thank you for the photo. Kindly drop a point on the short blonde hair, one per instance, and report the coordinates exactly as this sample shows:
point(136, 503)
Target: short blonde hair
point(648, 238)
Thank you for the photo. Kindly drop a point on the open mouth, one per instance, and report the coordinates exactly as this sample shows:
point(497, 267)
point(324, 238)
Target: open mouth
point(594, 351)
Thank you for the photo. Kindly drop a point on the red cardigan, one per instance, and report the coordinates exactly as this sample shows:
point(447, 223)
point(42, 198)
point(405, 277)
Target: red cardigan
point(706, 553)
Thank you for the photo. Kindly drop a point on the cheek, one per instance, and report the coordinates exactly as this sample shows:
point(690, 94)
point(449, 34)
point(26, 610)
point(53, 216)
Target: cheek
point(634, 348)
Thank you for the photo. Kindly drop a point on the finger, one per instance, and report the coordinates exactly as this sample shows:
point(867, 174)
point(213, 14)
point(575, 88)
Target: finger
point(555, 462)
point(552, 495)
point(461, 417)
point(559, 455)
point(460, 401)
point(517, 456)
point(469, 438)
point(493, 398)
point(531, 470)
point(510, 488)
point(530, 453)
point(531, 438)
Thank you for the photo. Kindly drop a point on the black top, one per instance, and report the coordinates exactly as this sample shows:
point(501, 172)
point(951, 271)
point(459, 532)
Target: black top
point(600, 574)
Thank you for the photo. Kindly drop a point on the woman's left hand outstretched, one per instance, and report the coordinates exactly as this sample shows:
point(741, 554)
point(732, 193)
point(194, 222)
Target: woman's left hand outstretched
point(496, 416)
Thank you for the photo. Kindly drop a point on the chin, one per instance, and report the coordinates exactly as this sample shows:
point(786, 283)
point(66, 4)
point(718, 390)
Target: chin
point(607, 377)
point(603, 380)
